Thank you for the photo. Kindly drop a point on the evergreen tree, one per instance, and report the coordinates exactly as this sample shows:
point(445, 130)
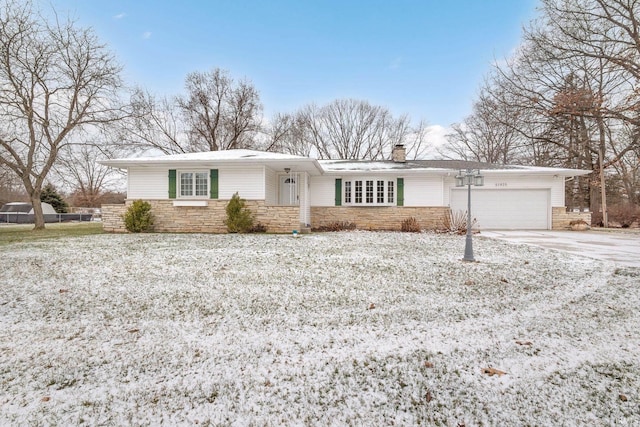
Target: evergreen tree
point(138, 218)
point(239, 217)
point(51, 196)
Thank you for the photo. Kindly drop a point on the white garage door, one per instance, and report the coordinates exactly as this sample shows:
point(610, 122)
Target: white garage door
point(505, 209)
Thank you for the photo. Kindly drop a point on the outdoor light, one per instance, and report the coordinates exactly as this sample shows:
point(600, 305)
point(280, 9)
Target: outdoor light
point(469, 177)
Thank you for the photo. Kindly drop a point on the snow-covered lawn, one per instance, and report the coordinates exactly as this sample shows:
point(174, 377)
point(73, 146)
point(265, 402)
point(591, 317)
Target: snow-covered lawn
point(363, 329)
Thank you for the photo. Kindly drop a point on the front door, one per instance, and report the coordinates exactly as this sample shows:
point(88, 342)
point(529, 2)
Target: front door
point(289, 190)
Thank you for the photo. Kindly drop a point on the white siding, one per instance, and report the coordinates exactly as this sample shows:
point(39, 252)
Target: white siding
point(148, 183)
point(418, 190)
point(423, 191)
point(557, 192)
point(153, 183)
point(271, 187)
point(249, 182)
point(322, 190)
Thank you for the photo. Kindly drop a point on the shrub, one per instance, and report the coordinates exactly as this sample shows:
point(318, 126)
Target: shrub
point(578, 225)
point(337, 226)
point(578, 222)
point(239, 217)
point(456, 222)
point(138, 217)
point(411, 225)
point(258, 228)
point(624, 214)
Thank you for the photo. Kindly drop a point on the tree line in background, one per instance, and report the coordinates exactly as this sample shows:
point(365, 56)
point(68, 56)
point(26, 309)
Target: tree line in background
point(568, 98)
point(221, 113)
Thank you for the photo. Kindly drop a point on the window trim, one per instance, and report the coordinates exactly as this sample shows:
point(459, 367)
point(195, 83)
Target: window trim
point(358, 193)
point(179, 173)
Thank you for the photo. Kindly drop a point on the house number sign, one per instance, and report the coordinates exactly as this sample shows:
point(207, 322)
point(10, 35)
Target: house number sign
point(501, 184)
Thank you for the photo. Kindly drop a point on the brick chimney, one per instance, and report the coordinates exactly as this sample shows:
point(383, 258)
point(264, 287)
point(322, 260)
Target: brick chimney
point(399, 154)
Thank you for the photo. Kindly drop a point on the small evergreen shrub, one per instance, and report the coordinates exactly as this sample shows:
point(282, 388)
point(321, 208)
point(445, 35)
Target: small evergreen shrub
point(410, 225)
point(239, 217)
point(138, 218)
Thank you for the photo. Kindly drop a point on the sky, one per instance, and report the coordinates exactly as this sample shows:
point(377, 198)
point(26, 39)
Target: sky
point(424, 58)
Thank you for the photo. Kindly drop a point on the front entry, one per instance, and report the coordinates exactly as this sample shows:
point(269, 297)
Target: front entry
point(289, 194)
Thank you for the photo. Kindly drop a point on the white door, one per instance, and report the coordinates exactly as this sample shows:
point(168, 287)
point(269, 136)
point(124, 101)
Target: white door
point(526, 209)
point(289, 190)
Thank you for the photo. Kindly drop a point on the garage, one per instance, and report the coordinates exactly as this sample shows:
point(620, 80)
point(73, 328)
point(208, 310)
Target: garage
point(526, 209)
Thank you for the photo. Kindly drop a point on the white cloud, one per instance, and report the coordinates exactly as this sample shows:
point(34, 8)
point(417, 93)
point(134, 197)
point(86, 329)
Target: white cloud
point(146, 35)
point(437, 135)
point(119, 16)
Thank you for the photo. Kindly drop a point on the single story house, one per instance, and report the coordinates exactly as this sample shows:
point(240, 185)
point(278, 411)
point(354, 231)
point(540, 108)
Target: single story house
point(189, 192)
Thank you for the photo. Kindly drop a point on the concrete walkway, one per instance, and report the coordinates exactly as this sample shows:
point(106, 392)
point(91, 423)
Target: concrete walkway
point(621, 247)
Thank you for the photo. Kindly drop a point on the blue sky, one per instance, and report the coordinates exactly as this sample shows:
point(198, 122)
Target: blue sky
point(424, 58)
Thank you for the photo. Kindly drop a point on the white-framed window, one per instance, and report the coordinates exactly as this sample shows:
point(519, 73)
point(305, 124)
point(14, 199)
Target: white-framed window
point(193, 184)
point(347, 192)
point(369, 191)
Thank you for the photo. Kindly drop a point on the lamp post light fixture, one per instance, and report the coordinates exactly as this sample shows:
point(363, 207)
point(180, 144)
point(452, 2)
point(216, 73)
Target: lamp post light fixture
point(469, 177)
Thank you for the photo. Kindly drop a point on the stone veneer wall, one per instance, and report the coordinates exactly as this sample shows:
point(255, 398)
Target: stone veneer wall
point(560, 218)
point(203, 219)
point(379, 217)
point(284, 219)
point(112, 221)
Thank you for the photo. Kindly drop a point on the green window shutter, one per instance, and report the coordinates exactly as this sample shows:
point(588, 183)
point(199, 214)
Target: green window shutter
point(400, 197)
point(172, 183)
point(213, 175)
point(338, 192)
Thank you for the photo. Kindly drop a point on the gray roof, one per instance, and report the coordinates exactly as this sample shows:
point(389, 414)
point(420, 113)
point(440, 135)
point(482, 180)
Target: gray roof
point(284, 162)
point(413, 164)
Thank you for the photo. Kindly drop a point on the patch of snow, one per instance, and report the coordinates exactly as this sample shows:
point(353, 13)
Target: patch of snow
point(325, 329)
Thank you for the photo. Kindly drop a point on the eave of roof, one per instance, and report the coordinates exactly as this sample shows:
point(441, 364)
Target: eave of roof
point(228, 157)
point(333, 167)
point(438, 167)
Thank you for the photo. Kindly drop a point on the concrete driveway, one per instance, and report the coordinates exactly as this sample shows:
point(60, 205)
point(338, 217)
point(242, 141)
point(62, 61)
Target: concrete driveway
point(621, 247)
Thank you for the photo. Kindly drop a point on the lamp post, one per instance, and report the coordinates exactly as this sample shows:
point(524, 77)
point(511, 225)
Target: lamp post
point(469, 177)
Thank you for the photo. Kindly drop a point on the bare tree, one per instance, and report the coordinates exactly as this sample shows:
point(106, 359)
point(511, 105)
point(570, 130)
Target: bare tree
point(344, 129)
point(628, 166)
point(489, 133)
point(10, 186)
point(596, 44)
point(417, 140)
point(156, 123)
point(86, 179)
point(219, 112)
point(56, 80)
point(287, 133)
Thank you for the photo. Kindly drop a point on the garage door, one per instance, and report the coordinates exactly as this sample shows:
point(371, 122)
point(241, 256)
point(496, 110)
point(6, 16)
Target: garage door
point(505, 209)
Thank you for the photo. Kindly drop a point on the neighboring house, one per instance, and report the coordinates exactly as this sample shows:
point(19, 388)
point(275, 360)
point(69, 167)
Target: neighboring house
point(189, 192)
